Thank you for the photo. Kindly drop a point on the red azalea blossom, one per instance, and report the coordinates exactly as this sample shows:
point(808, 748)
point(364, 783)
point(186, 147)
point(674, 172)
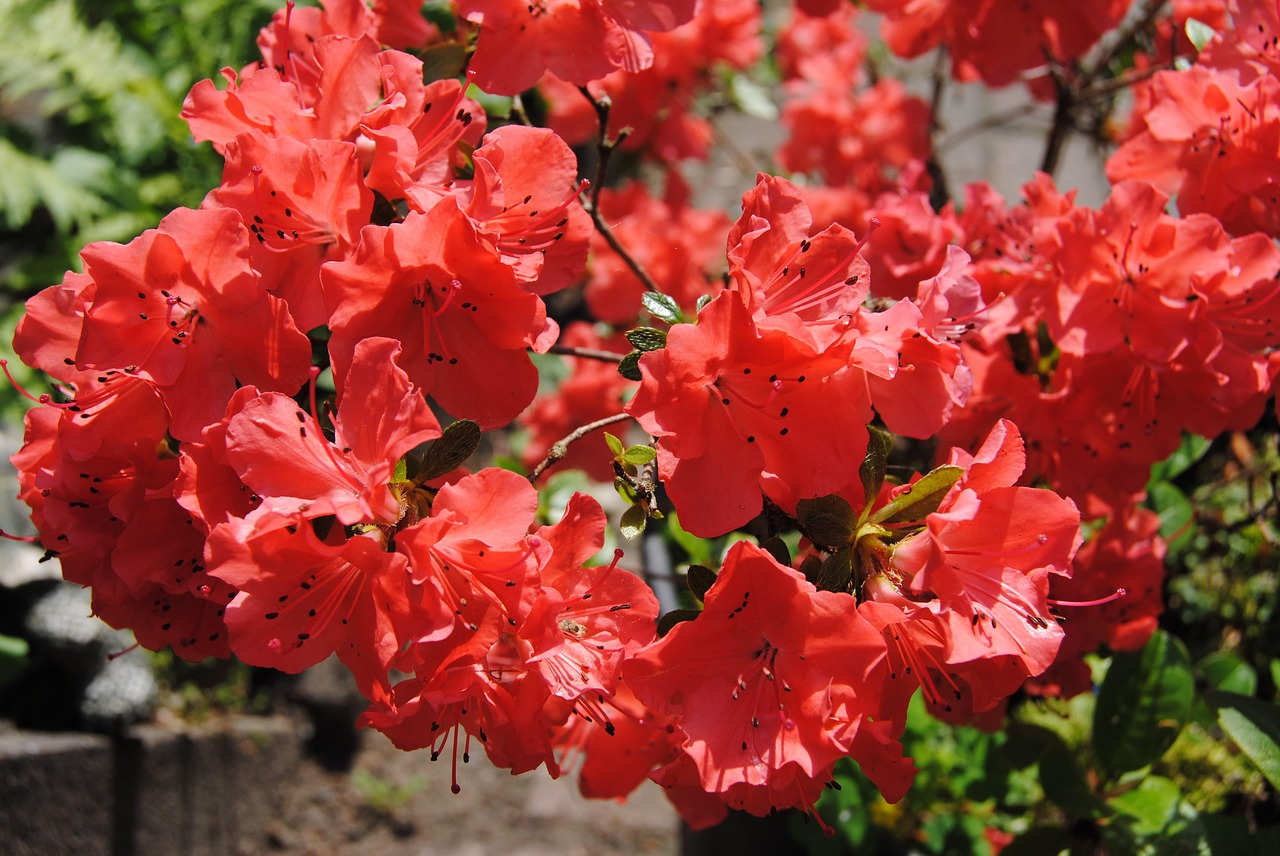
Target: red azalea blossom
point(770, 681)
point(731, 403)
point(465, 323)
point(577, 41)
point(181, 307)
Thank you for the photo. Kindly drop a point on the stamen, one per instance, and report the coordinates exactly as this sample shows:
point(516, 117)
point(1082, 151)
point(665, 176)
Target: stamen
point(1114, 596)
point(44, 398)
point(820, 289)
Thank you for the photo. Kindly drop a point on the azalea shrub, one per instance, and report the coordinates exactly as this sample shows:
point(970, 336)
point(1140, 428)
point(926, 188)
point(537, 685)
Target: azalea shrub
point(920, 461)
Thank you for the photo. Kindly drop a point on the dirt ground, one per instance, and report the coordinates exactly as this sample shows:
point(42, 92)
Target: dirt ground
point(396, 803)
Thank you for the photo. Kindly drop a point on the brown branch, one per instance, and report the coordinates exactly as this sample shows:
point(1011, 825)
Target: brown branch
point(940, 194)
point(1119, 82)
point(1121, 43)
point(604, 149)
point(587, 353)
point(1064, 116)
point(560, 448)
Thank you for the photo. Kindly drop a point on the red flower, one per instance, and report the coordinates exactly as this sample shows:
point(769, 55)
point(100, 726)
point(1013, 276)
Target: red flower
point(736, 408)
point(770, 682)
point(180, 306)
point(304, 205)
point(464, 322)
point(524, 201)
point(578, 41)
point(986, 554)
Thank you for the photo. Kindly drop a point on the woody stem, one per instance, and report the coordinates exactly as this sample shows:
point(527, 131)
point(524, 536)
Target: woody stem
point(560, 448)
point(586, 353)
point(604, 150)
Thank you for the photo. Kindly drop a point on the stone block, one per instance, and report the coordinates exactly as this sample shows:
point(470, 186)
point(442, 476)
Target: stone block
point(56, 794)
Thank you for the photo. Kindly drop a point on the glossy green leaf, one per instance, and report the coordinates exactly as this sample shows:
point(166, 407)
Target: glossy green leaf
point(921, 499)
point(1255, 727)
point(1223, 670)
point(446, 454)
point(1144, 701)
point(777, 548)
point(829, 521)
point(876, 463)
point(662, 307)
point(836, 571)
point(700, 580)
point(615, 445)
point(633, 522)
point(1152, 805)
point(638, 456)
point(1199, 33)
point(1176, 513)
point(647, 338)
point(674, 617)
point(629, 366)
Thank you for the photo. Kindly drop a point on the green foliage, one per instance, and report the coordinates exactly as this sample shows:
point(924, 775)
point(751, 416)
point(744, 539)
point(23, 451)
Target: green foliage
point(1143, 704)
point(197, 691)
point(13, 658)
point(383, 796)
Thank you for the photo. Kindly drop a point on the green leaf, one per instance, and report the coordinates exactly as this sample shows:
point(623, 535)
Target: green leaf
point(1255, 727)
point(777, 548)
point(1064, 782)
point(629, 366)
point(697, 549)
point(615, 445)
point(442, 61)
point(752, 98)
point(1223, 670)
point(1193, 448)
point(1199, 33)
point(829, 521)
point(921, 499)
point(647, 338)
point(633, 521)
point(1153, 805)
point(700, 580)
point(1144, 701)
point(456, 444)
point(638, 456)
point(811, 567)
point(836, 571)
point(876, 464)
point(1175, 510)
point(674, 617)
point(13, 657)
point(662, 307)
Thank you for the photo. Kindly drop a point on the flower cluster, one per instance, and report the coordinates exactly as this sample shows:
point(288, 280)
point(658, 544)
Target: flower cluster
point(377, 236)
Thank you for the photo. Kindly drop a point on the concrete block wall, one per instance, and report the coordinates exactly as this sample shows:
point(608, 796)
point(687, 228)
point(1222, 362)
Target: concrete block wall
point(208, 790)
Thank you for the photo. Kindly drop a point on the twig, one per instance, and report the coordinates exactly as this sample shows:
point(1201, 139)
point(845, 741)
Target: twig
point(604, 150)
point(588, 353)
point(1119, 82)
point(1139, 23)
point(1064, 114)
point(560, 448)
point(940, 194)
